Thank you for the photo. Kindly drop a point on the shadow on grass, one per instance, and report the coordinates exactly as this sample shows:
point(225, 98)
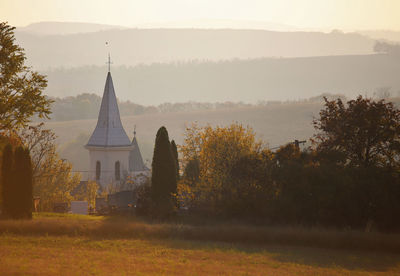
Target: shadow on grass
point(350, 250)
point(310, 246)
point(315, 257)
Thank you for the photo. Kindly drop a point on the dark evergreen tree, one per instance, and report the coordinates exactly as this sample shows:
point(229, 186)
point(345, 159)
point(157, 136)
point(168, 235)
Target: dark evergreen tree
point(163, 180)
point(17, 194)
point(6, 180)
point(174, 149)
point(27, 185)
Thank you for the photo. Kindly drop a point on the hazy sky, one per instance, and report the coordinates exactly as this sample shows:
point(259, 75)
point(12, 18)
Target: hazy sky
point(344, 14)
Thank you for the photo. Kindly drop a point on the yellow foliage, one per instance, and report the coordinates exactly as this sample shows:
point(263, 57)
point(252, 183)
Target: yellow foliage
point(88, 193)
point(217, 149)
point(185, 194)
point(55, 182)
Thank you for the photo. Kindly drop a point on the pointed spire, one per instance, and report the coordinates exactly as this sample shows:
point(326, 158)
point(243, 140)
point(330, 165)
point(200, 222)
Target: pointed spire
point(136, 163)
point(109, 63)
point(109, 131)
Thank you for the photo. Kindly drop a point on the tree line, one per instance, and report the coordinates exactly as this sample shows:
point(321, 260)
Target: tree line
point(86, 106)
point(348, 177)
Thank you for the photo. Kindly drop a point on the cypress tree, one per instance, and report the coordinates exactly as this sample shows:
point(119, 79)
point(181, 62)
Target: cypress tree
point(27, 185)
point(6, 180)
point(174, 149)
point(17, 194)
point(163, 180)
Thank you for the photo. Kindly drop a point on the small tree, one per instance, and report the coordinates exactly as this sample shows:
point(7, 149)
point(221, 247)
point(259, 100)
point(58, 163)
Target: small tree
point(163, 181)
point(87, 192)
point(52, 176)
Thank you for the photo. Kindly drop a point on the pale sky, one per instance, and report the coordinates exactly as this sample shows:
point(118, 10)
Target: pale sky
point(341, 14)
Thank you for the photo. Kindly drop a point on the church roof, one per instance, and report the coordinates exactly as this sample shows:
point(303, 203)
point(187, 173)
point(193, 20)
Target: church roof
point(109, 131)
point(135, 158)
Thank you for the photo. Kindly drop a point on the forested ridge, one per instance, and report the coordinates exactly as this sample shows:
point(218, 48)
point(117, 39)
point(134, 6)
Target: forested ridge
point(234, 80)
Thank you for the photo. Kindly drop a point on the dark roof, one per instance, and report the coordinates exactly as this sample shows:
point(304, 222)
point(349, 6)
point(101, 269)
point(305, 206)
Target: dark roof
point(135, 158)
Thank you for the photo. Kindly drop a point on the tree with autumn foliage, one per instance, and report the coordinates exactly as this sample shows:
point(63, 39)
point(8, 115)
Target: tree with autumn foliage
point(361, 133)
point(360, 141)
point(53, 177)
point(20, 88)
point(216, 150)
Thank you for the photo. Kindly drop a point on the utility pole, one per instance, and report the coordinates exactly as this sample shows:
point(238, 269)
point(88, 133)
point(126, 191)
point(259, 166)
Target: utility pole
point(297, 143)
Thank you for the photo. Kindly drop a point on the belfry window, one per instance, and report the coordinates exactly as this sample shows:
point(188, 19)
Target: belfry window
point(98, 170)
point(117, 171)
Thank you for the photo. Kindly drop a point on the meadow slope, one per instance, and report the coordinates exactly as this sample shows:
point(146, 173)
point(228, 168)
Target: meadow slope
point(70, 245)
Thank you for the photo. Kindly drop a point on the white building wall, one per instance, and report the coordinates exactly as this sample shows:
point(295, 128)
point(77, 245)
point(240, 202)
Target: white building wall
point(108, 157)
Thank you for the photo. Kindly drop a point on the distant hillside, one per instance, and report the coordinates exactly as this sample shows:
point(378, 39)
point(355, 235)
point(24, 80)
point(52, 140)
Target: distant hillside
point(382, 35)
point(64, 28)
point(135, 46)
point(236, 80)
point(86, 106)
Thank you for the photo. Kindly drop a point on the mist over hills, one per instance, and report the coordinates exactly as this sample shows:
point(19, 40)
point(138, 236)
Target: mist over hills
point(236, 80)
point(136, 46)
point(64, 28)
point(382, 35)
point(202, 66)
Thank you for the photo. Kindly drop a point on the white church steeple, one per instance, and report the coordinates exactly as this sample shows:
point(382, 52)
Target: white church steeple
point(109, 131)
point(109, 146)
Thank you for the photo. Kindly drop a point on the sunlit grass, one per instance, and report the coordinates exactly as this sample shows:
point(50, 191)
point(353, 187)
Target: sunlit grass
point(77, 244)
point(65, 215)
point(82, 255)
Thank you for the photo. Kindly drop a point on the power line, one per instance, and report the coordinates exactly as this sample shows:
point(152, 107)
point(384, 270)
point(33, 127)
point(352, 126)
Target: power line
point(295, 142)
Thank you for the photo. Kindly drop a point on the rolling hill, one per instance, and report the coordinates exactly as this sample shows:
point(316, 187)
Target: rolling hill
point(235, 80)
point(136, 46)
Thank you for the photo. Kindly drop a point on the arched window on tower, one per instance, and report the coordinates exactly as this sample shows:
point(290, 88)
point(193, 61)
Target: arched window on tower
point(98, 170)
point(117, 171)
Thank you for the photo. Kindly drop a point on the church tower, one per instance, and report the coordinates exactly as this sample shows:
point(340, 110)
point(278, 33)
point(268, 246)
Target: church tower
point(109, 146)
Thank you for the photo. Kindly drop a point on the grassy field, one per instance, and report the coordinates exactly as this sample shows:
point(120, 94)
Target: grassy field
point(72, 245)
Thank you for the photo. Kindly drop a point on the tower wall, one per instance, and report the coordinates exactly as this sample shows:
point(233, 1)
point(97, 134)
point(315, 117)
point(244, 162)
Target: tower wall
point(107, 158)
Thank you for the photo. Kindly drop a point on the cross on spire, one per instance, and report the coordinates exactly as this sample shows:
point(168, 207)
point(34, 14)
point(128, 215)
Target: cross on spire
point(109, 62)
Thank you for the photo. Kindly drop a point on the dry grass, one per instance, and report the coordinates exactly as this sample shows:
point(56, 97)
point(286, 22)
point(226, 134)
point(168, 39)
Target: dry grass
point(133, 228)
point(70, 245)
point(52, 255)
